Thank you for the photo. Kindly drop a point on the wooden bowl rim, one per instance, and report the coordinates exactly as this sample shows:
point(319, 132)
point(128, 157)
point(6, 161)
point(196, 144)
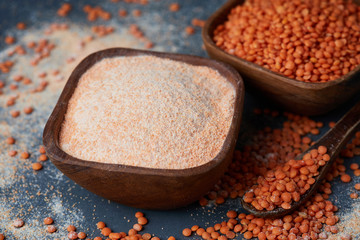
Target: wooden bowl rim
point(56, 153)
point(225, 9)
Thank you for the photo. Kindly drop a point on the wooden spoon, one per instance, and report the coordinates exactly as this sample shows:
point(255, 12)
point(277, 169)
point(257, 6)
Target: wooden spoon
point(335, 139)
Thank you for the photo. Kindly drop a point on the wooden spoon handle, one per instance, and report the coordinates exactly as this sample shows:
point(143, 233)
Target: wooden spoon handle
point(336, 138)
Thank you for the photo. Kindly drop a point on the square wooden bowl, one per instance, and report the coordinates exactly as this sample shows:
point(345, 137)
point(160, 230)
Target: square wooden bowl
point(139, 186)
point(291, 94)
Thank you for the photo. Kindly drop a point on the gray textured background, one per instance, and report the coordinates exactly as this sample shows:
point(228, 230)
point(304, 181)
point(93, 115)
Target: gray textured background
point(166, 30)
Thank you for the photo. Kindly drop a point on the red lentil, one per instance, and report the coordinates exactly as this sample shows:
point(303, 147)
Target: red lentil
point(43, 157)
point(354, 166)
point(205, 235)
point(42, 150)
point(231, 214)
point(10, 140)
point(354, 195)
point(248, 235)
point(71, 228)
point(9, 40)
point(149, 45)
point(21, 26)
point(230, 234)
point(37, 166)
point(194, 228)
point(13, 86)
point(51, 229)
point(10, 102)
point(48, 221)
point(136, 13)
point(146, 236)
point(132, 232)
point(24, 155)
point(106, 231)
point(139, 214)
point(197, 22)
point(72, 235)
point(122, 13)
point(345, 178)
point(18, 223)
point(27, 81)
point(137, 227)
point(332, 124)
point(28, 110)
point(114, 235)
point(81, 235)
point(174, 7)
point(18, 78)
point(142, 221)
point(189, 30)
point(14, 113)
point(187, 232)
point(12, 153)
point(100, 225)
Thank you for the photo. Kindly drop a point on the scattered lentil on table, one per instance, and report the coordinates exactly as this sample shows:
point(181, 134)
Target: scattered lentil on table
point(51, 229)
point(18, 223)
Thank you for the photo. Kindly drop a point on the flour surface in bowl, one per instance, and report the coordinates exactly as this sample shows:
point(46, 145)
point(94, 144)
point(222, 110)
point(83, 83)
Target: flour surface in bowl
point(148, 111)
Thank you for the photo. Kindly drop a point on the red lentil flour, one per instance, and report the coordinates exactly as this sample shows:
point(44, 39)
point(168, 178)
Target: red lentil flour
point(148, 111)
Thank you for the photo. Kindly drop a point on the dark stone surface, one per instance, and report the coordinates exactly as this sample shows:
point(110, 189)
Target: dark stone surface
point(166, 30)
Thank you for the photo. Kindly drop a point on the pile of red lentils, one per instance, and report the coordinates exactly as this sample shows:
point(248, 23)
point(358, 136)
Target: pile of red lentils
point(265, 166)
point(311, 41)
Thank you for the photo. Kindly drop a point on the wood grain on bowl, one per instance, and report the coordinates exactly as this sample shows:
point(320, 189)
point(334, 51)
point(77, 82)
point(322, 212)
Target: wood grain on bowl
point(139, 186)
point(290, 94)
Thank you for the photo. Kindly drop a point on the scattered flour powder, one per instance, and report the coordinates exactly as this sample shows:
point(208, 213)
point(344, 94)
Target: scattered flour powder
point(148, 111)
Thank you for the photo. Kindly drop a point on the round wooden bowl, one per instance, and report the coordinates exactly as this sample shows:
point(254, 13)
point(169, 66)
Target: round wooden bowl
point(139, 186)
point(290, 94)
